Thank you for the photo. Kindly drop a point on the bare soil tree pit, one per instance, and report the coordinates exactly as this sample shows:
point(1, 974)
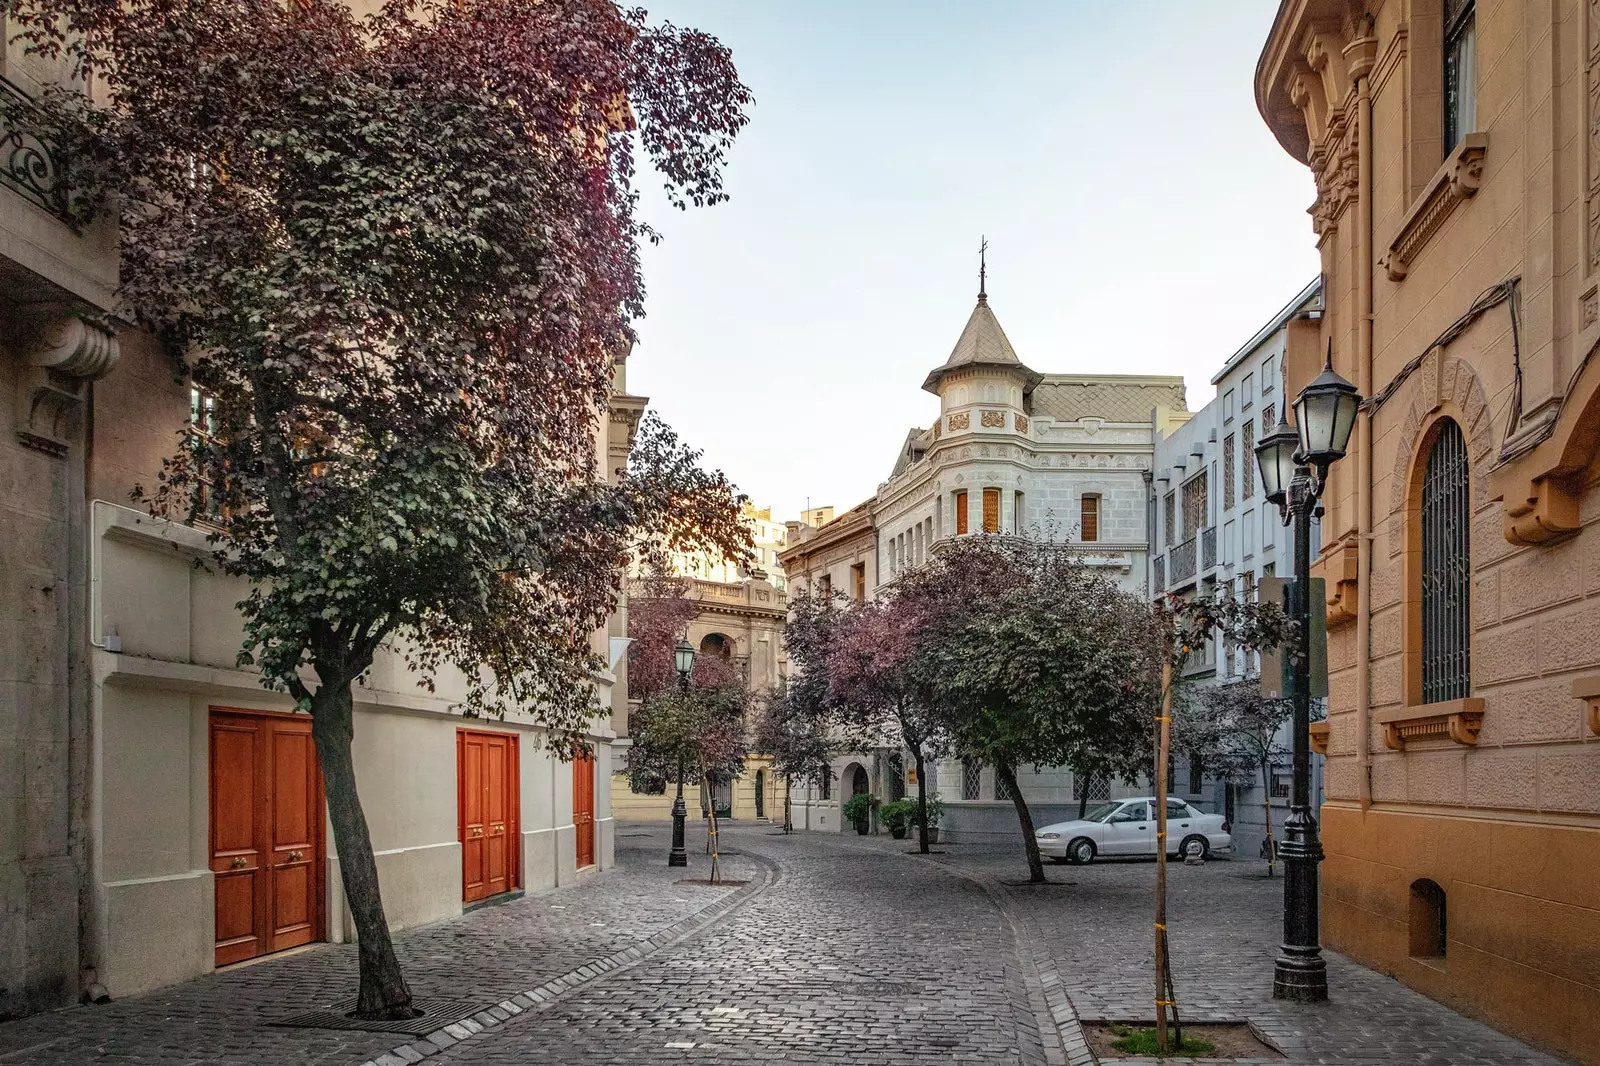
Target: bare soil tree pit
point(1227, 1042)
point(726, 882)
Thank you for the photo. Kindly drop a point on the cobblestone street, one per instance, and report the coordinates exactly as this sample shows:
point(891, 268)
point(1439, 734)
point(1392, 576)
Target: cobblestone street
point(839, 949)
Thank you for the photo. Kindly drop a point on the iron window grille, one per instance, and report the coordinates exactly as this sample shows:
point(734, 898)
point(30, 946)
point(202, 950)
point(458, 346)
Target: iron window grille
point(1247, 440)
point(971, 778)
point(1097, 788)
point(1001, 792)
point(1460, 71)
point(897, 778)
point(1228, 472)
point(1446, 569)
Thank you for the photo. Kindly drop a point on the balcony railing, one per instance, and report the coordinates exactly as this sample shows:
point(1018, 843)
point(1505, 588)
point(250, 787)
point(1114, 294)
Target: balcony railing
point(1161, 573)
point(29, 164)
point(1182, 556)
point(1208, 548)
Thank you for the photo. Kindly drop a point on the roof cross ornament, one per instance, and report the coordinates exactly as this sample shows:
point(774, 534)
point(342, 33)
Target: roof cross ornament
point(983, 270)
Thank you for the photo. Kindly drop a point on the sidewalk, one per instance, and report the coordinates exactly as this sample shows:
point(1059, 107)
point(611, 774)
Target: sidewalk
point(564, 936)
point(1091, 939)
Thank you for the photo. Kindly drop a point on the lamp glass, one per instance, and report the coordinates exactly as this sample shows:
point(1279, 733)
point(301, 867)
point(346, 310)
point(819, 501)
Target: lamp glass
point(1275, 455)
point(684, 654)
point(1326, 413)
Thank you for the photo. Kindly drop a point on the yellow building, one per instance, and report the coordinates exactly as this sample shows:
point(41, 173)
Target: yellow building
point(1456, 153)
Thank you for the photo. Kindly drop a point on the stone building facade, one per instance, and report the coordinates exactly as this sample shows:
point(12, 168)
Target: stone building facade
point(1455, 149)
point(1063, 457)
point(124, 717)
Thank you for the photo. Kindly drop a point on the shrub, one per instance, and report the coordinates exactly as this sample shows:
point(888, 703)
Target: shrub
point(899, 814)
point(859, 808)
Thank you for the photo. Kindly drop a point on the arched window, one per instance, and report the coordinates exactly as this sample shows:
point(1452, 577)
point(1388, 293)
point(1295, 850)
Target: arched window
point(1427, 928)
point(1446, 569)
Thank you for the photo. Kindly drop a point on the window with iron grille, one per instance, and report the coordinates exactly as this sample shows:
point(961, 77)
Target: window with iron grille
point(1446, 569)
point(897, 777)
point(1001, 792)
point(1227, 472)
point(971, 778)
point(1097, 788)
point(1266, 419)
point(1194, 504)
point(1171, 523)
point(1460, 71)
point(1197, 773)
point(826, 784)
point(1247, 470)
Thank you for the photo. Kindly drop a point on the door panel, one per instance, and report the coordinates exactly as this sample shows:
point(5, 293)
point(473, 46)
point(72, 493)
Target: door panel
point(497, 815)
point(583, 808)
point(295, 821)
point(470, 777)
point(266, 834)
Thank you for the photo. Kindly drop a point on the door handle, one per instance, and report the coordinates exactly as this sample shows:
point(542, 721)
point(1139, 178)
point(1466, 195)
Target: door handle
point(296, 856)
point(237, 863)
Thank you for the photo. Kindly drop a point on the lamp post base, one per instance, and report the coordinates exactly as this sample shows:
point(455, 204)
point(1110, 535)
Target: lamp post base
point(1300, 975)
point(678, 857)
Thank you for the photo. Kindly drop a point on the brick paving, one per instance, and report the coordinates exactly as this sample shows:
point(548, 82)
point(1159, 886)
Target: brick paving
point(841, 949)
point(488, 954)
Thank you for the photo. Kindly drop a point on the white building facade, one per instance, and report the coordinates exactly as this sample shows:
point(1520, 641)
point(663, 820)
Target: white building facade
point(1215, 530)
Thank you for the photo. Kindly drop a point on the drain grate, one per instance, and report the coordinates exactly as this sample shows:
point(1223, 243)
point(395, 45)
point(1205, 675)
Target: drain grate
point(436, 1014)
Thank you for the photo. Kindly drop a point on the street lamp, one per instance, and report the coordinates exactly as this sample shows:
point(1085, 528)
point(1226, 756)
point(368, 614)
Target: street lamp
point(1325, 412)
point(683, 659)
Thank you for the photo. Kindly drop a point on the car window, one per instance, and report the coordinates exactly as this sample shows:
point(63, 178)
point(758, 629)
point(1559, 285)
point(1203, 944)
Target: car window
point(1133, 812)
point(1179, 809)
point(1100, 813)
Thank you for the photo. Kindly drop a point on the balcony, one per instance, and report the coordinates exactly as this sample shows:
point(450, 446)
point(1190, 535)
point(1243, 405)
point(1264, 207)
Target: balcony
point(1161, 573)
point(1182, 558)
point(1208, 549)
point(28, 164)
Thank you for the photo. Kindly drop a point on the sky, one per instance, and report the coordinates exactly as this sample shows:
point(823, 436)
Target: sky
point(1140, 219)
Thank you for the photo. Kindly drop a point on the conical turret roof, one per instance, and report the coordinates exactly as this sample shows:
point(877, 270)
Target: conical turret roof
point(982, 343)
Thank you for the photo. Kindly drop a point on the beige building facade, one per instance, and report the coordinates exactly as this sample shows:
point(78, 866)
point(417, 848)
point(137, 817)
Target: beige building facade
point(132, 748)
point(1455, 149)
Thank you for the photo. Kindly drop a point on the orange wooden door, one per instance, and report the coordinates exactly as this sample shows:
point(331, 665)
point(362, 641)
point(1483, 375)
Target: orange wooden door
point(583, 808)
point(488, 798)
point(266, 834)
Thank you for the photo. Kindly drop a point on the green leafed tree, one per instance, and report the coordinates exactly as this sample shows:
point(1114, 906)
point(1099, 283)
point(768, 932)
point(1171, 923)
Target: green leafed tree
point(401, 254)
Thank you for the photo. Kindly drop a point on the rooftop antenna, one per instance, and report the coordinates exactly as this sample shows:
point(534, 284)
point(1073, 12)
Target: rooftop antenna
point(983, 270)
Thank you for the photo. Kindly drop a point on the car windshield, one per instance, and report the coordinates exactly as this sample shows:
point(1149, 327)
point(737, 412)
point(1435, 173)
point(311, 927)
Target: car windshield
point(1102, 812)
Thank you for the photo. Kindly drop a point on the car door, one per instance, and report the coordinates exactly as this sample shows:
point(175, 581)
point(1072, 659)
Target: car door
point(1129, 831)
point(1182, 821)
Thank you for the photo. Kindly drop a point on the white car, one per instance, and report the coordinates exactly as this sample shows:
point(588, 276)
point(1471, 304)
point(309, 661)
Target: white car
point(1128, 827)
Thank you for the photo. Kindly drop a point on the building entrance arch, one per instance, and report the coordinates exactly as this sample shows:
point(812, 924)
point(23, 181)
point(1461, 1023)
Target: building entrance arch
point(859, 780)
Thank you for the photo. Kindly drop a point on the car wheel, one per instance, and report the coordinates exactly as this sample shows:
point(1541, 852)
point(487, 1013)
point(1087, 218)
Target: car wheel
point(1195, 845)
point(1080, 851)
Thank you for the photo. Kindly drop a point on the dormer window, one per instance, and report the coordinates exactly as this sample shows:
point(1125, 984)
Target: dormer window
point(1460, 71)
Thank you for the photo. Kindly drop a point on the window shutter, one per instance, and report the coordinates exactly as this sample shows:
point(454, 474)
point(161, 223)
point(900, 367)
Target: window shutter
point(1089, 518)
point(991, 510)
point(961, 512)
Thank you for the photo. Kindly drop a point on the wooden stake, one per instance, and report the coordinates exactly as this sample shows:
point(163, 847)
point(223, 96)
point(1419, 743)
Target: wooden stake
point(1163, 742)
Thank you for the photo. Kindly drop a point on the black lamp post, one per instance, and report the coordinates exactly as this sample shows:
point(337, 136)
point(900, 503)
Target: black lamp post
point(683, 659)
point(1294, 470)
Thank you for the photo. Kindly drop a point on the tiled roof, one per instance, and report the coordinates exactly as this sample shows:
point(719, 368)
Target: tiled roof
point(982, 343)
point(1115, 398)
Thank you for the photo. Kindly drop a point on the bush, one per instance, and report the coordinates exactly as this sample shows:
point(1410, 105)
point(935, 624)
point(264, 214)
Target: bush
point(859, 808)
point(935, 812)
point(899, 814)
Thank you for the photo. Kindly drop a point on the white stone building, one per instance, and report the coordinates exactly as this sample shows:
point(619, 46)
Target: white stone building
point(1063, 457)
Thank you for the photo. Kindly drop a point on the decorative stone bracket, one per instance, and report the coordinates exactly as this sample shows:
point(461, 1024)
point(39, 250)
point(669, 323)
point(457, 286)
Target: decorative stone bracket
point(1339, 568)
point(1588, 690)
point(1319, 737)
point(1457, 720)
point(67, 353)
point(1457, 179)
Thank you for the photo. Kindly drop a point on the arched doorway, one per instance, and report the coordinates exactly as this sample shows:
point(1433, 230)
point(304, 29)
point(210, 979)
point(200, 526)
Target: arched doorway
point(716, 644)
point(859, 781)
point(761, 793)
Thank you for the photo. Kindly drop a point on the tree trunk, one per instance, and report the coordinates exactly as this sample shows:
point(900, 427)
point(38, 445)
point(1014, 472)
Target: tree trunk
point(1266, 799)
point(1035, 864)
point(1163, 740)
point(1083, 800)
point(788, 811)
point(922, 800)
point(383, 992)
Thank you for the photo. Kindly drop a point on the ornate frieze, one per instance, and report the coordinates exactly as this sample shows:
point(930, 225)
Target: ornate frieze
point(961, 420)
point(992, 420)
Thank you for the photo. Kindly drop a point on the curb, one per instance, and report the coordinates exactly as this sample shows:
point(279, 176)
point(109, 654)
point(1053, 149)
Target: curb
point(534, 999)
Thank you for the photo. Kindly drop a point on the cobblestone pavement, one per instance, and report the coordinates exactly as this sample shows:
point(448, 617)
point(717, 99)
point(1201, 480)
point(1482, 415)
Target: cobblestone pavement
point(841, 949)
point(486, 955)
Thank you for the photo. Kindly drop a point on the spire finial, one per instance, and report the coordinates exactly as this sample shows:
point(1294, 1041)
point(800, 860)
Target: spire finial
point(983, 270)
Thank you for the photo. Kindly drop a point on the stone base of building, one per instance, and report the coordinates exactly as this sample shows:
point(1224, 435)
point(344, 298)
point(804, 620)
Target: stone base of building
point(1519, 944)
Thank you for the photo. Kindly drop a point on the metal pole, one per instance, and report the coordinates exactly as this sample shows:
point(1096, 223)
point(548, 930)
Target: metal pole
point(679, 857)
point(1301, 973)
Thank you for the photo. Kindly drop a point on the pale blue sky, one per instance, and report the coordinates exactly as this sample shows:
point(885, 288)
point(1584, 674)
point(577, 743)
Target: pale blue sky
point(1141, 218)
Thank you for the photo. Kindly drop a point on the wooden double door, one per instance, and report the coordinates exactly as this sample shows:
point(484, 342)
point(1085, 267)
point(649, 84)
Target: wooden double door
point(583, 807)
point(266, 833)
point(488, 805)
